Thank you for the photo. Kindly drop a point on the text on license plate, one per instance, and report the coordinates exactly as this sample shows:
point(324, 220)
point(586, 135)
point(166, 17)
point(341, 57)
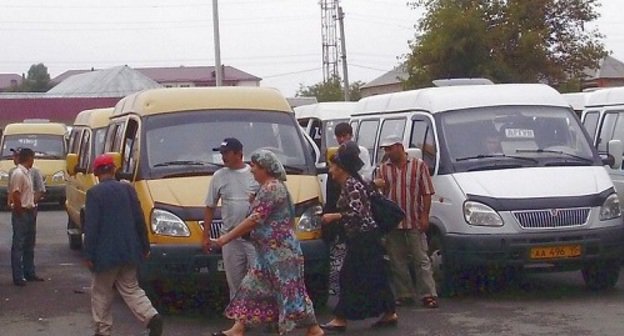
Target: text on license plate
point(220, 266)
point(552, 252)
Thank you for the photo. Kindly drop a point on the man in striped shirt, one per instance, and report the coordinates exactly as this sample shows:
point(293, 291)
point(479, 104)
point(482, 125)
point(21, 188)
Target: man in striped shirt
point(406, 181)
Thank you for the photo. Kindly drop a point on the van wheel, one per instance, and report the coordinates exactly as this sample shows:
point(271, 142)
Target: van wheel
point(75, 240)
point(446, 278)
point(601, 275)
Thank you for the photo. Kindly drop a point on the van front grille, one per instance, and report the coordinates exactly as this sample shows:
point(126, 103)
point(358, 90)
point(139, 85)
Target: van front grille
point(215, 228)
point(552, 218)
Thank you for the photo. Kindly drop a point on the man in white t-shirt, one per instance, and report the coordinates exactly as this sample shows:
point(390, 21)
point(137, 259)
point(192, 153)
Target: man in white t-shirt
point(344, 133)
point(234, 185)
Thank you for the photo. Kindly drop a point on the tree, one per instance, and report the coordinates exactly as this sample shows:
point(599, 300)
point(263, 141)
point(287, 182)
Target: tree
point(38, 79)
point(330, 90)
point(504, 40)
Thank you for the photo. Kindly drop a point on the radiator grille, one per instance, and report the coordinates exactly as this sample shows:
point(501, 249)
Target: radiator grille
point(215, 228)
point(552, 218)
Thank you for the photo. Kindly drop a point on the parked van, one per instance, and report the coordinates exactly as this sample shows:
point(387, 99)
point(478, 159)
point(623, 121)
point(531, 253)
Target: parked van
point(165, 140)
point(576, 100)
point(603, 118)
point(319, 120)
point(540, 199)
point(47, 140)
point(86, 141)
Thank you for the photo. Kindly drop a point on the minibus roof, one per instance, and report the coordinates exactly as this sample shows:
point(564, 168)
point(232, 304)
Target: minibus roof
point(576, 99)
point(169, 100)
point(95, 118)
point(448, 98)
point(326, 110)
point(35, 128)
point(605, 97)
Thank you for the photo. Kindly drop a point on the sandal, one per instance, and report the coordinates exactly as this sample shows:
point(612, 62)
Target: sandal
point(430, 302)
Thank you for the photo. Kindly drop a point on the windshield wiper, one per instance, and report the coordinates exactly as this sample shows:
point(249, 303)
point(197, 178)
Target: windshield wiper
point(497, 155)
point(186, 163)
point(540, 150)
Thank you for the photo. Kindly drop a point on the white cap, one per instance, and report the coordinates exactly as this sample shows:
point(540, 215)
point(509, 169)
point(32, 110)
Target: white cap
point(390, 140)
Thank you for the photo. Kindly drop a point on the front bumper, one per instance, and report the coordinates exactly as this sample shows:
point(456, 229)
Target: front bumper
point(515, 250)
point(55, 193)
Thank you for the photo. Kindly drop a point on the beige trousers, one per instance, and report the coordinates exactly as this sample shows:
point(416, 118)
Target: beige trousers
point(124, 279)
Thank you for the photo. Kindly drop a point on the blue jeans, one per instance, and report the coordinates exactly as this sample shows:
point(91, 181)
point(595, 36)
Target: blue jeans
point(23, 246)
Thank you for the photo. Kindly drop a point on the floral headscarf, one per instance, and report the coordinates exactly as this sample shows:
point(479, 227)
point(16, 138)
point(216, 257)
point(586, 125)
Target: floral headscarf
point(269, 161)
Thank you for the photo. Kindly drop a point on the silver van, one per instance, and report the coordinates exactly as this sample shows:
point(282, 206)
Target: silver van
point(537, 199)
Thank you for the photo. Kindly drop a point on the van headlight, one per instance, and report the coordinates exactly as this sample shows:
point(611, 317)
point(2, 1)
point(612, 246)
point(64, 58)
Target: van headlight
point(480, 214)
point(310, 221)
point(610, 209)
point(58, 177)
point(167, 224)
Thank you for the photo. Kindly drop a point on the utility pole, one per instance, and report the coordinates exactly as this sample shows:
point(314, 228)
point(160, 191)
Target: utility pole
point(343, 56)
point(329, 39)
point(217, 43)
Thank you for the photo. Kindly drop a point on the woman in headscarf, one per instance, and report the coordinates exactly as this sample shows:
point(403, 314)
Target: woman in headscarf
point(273, 291)
point(364, 285)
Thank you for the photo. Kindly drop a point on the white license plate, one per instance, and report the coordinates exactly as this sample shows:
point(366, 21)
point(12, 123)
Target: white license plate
point(220, 266)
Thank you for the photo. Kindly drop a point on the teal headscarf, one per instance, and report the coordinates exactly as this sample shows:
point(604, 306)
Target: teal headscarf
point(269, 161)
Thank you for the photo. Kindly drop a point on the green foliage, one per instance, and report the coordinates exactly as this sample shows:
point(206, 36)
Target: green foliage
point(504, 40)
point(330, 90)
point(38, 79)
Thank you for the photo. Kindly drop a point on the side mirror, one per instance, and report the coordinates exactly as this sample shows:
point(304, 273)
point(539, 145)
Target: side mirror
point(71, 161)
point(615, 148)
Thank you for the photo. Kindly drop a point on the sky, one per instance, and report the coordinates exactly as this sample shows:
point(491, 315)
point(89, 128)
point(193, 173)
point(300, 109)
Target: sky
point(276, 40)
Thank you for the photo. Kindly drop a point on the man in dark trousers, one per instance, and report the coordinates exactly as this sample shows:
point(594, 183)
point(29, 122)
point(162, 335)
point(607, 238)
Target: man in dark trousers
point(115, 242)
point(23, 217)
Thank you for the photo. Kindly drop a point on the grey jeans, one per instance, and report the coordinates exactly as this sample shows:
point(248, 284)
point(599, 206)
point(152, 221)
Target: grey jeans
point(238, 256)
point(408, 249)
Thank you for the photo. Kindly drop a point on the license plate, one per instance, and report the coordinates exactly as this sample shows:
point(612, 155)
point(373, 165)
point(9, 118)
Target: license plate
point(554, 252)
point(220, 266)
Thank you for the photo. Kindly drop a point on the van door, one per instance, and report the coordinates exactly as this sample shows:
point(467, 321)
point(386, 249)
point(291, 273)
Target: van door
point(611, 128)
point(367, 137)
point(123, 137)
point(423, 138)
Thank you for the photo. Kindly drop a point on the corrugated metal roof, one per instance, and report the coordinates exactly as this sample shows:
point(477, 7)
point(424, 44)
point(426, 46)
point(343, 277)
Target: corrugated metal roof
point(609, 67)
point(393, 76)
point(119, 81)
point(179, 74)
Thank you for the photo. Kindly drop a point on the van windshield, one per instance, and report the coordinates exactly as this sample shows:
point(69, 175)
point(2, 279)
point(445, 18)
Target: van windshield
point(184, 141)
point(514, 136)
point(45, 146)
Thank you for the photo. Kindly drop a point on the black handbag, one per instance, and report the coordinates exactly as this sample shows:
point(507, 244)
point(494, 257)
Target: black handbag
point(386, 213)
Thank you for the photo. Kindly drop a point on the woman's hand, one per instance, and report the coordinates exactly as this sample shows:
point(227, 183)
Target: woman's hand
point(219, 242)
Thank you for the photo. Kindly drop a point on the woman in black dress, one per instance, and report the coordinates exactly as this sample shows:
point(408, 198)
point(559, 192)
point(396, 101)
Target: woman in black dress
point(364, 285)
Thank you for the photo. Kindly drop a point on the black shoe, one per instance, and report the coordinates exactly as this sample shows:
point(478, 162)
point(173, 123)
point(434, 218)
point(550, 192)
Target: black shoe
point(155, 325)
point(34, 278)
point(332, 327)
point(385, 323)
point(20, 282)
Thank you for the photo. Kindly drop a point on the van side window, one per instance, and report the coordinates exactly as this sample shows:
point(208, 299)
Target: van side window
point(591, 123)
point(390, 127)
point(609, 130)
point(85, 150)
point(74, 140)
point(422, 138)
point(130, 147)
point(366, 136)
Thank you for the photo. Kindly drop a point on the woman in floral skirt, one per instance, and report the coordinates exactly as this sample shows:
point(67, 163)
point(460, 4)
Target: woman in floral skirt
point(273, 291)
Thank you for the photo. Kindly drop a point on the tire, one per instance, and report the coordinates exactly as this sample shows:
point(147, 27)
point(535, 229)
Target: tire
point(601, 275)
point(75, 240)
point(445, 276)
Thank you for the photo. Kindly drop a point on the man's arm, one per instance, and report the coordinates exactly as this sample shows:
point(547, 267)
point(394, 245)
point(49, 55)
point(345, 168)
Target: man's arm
point(423, 221)
point(16, 195)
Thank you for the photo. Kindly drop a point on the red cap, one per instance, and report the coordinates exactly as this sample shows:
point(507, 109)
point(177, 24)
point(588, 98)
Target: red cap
point(103, 161)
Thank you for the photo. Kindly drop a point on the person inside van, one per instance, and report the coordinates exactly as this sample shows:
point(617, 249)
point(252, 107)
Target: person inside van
point(492, 144)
